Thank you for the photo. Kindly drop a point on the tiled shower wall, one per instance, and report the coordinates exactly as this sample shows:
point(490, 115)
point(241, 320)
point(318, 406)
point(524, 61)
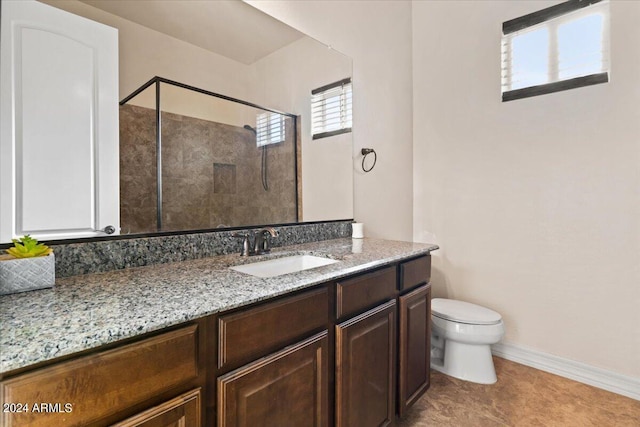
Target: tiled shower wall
point(211, 174)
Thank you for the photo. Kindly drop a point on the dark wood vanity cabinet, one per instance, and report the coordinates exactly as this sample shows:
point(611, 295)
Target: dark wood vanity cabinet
point(349, 353)
point(375, 326)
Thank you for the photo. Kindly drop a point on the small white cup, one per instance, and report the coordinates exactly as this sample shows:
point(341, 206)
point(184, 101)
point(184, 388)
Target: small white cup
point(356, 246)
point(357, 230)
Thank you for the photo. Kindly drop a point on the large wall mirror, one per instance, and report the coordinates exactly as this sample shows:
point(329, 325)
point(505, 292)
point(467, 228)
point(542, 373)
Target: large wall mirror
point(216, 173)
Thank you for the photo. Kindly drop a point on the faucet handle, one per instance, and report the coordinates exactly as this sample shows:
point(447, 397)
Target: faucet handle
point(238, 235)
point(246, 247)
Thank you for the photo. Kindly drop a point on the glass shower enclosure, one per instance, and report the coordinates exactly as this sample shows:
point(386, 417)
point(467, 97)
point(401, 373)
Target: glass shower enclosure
point(191, 159)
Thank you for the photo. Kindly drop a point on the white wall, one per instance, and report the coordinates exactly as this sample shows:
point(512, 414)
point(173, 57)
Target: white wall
point(377, 36)
point(535, 202)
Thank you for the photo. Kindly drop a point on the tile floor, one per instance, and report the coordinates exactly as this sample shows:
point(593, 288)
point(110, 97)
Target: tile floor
point(523, 396)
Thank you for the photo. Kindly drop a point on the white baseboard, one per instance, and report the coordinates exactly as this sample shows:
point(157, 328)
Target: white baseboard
point(581, 372)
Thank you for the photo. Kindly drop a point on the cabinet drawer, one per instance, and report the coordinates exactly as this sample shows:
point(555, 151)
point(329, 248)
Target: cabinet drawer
point(105, 383)
point(249, 334)
point(415, 272)
point(364, 291)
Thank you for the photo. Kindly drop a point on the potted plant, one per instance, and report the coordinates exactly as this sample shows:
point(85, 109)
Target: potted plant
point(28, 265)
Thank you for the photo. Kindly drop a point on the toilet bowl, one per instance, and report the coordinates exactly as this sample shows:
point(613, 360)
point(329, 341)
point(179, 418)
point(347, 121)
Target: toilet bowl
point(461, 338)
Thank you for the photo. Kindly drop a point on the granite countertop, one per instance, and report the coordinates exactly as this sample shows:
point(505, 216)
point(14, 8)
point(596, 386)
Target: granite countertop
point(84, 312)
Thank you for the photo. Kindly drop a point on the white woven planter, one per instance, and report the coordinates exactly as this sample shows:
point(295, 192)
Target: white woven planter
point(27, 274)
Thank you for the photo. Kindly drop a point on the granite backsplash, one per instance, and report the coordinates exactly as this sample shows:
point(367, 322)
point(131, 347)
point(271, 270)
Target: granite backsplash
point(73, 259)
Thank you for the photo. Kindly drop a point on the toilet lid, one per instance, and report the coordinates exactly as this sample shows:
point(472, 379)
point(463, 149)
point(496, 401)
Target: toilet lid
point(463, 312)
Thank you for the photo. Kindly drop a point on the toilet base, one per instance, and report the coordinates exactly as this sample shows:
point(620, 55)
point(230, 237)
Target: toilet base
point(469, 362)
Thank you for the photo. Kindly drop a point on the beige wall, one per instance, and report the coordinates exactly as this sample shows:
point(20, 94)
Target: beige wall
point(286, 78)
point(377, 36)
point(144, 54)
point(535, 202)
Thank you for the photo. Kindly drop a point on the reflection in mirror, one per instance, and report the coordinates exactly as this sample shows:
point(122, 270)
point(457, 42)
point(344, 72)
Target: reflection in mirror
point(223, 163)
point(230, 48)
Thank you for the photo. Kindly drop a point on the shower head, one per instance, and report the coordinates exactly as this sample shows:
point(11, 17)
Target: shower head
point(247, 127)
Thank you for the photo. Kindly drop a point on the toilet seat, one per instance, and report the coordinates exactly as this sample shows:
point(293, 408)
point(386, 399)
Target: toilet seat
point(463, 312)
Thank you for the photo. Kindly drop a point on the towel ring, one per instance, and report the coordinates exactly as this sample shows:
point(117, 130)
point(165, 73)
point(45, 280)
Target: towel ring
point(365, 152)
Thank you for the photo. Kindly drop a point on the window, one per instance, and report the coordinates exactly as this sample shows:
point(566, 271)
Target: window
point(269, 129)
point(562, 47)
point(331, 107)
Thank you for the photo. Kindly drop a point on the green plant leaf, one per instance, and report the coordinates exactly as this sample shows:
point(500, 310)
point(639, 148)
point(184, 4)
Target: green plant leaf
point(28, 247)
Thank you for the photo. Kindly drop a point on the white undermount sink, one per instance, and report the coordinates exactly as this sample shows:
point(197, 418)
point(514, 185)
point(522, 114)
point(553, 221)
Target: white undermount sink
point(280, 266)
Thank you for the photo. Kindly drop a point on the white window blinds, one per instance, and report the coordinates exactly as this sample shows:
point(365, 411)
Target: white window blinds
point(269, 129)
point(570, 45)
point(331, 109)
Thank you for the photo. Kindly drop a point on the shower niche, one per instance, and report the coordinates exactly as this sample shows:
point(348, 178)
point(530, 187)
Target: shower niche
point(192, 159)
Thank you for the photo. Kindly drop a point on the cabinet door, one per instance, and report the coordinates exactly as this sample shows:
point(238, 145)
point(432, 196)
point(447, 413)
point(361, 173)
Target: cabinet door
point(287, 388)
point(414, 347)
point(183, 411)
point(365, 368)
point(59, 160)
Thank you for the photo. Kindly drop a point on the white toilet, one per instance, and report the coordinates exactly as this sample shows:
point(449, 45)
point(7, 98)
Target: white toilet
point(461, 338)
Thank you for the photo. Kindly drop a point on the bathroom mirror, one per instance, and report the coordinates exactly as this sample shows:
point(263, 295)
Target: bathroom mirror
point(233, 49)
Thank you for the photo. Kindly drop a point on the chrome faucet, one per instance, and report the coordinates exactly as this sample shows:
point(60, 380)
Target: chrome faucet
point(260, 241)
